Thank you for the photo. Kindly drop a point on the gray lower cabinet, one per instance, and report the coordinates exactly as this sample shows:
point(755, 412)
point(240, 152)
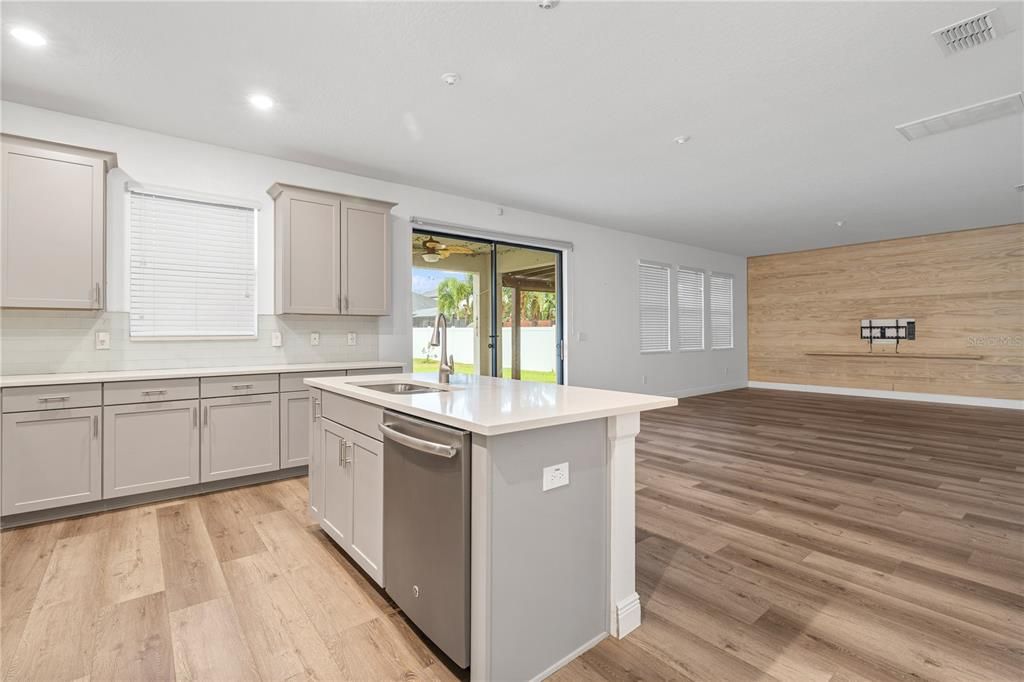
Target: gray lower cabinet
point(241, 436)
point(150, 446)
point(51, 458)
point(353, 498)
point(296, 418)
point(316, 458)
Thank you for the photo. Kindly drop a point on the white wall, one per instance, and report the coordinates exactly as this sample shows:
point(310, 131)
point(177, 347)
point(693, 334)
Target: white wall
point(601, 269)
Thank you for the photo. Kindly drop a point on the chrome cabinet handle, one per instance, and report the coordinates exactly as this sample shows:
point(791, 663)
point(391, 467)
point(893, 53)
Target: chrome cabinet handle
point(195, 417)
point(346, 302)
point(315, 410)
point(341, 452)
point(426, 446)
point(53, 398)
point(97, 293)
point(95, 426)
point(155, 392)
point(239, 387)
point(352, 448)
point(206, 415)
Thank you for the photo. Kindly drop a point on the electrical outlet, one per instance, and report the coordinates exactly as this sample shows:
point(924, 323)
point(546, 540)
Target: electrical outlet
point(275, 339)
point(353, 338)
point(314, 338)
point(555, 476)
point(102, 340)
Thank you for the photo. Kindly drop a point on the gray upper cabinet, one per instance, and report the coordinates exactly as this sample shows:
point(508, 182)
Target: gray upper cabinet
point(150, 446)
point(240, 436)
point(52, 229)
point(51, 458)
point(332, 253)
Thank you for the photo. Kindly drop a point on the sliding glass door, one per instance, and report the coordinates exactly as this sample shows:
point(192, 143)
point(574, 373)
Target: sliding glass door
point(503, 303)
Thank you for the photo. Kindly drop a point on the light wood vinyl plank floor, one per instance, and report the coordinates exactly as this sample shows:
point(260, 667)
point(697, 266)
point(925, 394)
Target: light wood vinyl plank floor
point(780, 536)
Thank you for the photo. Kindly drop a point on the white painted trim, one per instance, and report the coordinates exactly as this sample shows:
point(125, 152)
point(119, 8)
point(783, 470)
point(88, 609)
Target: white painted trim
point(1005, 403)
point(480, 562)
point(627, 613)
point(715, 388)
point(568, 659)
point(622, 432)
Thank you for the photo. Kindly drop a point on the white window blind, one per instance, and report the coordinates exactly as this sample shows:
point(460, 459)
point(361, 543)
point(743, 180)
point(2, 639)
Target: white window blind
point(690, 303)
point(721, 311)
point(654, 308)
point(192, 268)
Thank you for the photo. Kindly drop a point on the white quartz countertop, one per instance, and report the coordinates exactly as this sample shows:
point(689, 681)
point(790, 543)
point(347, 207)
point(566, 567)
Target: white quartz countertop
point(491, 406)
point(143, 374)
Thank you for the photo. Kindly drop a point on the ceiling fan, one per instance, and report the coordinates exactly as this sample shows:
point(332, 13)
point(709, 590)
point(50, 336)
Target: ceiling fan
point(431, 250)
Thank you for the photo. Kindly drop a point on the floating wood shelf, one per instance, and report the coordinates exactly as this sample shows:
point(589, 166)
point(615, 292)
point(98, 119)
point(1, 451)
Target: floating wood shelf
point(925, 356)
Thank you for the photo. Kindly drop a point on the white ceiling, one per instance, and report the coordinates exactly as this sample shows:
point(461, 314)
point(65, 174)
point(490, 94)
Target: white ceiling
point(572, 112)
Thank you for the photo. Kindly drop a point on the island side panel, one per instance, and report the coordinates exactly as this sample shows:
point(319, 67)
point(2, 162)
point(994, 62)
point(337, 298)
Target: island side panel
point(540, 571)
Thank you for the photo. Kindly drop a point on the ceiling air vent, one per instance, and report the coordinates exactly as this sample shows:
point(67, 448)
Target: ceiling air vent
point(961, 118)
point(963, 35)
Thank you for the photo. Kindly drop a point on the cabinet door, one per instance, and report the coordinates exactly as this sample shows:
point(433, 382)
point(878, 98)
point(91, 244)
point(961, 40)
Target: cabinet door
point(51, 459)
point(364, 461)
point(367, 271)
point(52, 230)
point(240, 436)
point(337, 503)
point(309, 253)
point(316, 459)
point(150, 446)
point(296, 421)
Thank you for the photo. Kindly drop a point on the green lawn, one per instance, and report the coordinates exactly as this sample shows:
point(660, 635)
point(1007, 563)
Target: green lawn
point(424, 365)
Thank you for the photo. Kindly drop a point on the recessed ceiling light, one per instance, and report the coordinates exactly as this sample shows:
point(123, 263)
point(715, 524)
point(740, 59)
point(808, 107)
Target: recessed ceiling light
point(27, 36)
point(682, 139)
point(261, 102)
point(450, 78)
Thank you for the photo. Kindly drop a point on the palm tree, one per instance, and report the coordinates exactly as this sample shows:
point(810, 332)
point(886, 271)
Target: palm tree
point(455, 298)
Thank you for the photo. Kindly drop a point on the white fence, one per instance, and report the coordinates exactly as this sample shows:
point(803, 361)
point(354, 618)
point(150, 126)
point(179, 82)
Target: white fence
point(538, 350)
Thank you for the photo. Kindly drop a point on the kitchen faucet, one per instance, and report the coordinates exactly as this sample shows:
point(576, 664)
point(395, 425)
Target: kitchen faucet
point(440, 338)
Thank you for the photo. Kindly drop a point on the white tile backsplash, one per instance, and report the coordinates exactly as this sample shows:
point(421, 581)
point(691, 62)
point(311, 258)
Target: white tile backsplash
point(43, 341)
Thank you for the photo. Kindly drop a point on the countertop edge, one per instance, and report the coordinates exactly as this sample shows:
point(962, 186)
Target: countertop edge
point(27, 380)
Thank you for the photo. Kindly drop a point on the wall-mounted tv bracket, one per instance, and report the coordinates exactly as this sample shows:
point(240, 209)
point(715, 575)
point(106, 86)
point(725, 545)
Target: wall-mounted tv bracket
point(890, 331)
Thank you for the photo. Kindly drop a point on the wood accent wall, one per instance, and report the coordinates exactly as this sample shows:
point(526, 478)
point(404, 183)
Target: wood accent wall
point(965, 289)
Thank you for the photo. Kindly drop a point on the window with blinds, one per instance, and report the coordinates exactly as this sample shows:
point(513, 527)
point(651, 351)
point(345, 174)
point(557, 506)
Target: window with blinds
point(690, 304)
point(655, 311)
point(721, 311)
point(192, 269)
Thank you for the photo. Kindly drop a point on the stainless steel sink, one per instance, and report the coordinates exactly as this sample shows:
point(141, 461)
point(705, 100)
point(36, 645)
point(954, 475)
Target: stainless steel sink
point(402, 388)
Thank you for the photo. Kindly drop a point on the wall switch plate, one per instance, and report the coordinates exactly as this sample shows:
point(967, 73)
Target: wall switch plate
point(314, 338)
point(275, 339)
point(353, 338)
point(102, 340)
point(555, 476)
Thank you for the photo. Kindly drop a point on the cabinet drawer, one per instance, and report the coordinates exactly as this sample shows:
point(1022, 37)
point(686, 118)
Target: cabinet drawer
point(356, 415)
point(293, 380)
point(156, 390)
point(28, 398)
point(237, 384)
point(375, 370)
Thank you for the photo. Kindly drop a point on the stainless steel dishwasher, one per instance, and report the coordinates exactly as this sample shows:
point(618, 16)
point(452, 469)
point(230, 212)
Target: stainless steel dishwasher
point(426, 528)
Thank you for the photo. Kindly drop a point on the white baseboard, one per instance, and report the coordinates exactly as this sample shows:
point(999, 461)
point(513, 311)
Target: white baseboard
point(701, 390)
point(627, 615)
point(1005, 403)
point(548, 672)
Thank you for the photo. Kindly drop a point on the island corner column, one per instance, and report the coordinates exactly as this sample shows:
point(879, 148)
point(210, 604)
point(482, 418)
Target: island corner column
point(624, 605)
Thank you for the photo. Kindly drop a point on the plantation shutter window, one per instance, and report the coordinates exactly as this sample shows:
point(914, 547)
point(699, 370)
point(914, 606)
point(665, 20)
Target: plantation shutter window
point(690, 303)
point(192, 267)
point(655, 311)
point(721, 311)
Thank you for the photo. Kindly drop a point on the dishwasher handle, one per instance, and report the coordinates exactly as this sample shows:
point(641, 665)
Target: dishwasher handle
point(447, 451)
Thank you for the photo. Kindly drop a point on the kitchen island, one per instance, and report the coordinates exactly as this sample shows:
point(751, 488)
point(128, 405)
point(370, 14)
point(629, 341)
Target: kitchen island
point(551, 571)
